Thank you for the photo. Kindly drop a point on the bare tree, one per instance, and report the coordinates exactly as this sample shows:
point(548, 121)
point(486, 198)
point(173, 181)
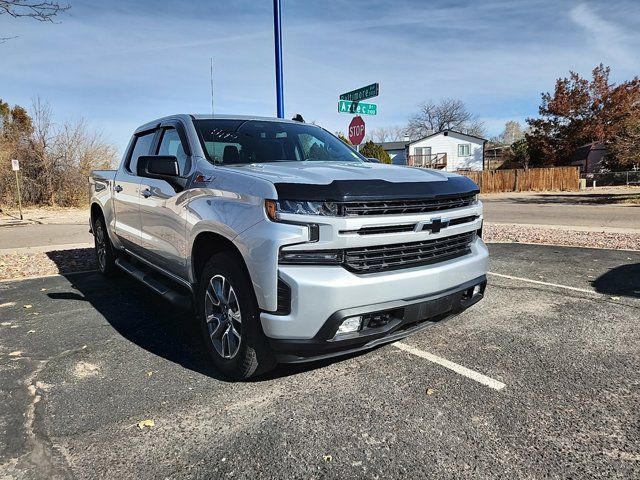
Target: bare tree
point(44, 11)
point(447, 114)
point(512, 133)
point(55, 158)
point(388, 134)
point(41, 142)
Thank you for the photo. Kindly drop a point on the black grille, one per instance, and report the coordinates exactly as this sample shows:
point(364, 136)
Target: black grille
point(397, 207)
point(284, 299)
point(405, 255)
point(382, 229)
point(461, 220)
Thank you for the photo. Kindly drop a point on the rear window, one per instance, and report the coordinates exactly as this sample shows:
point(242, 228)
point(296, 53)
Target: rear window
point(233, 142)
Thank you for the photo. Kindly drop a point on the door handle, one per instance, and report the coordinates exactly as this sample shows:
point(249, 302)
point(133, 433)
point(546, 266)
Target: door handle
point(146, 193)
point(117, 188)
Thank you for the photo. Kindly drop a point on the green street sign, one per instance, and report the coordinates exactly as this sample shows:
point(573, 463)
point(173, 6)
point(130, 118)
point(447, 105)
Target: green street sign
point(359, 108)
point(363, 93)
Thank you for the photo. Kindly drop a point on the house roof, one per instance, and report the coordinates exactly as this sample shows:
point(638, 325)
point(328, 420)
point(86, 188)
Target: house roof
point(583, 151)
point(448, 131)
point(393, 145)
point(402, 145)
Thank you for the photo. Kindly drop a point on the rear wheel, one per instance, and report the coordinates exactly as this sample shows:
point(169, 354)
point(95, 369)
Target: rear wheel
point(105, 256)
point(230, 319)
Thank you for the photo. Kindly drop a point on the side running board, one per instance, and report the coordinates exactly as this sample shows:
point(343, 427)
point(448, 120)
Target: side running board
point(175, 297)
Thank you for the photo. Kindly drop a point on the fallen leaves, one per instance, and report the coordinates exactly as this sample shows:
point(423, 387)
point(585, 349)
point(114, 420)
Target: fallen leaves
point(7, 304)
point(27, 306)
point(431, 391)
point(146, 424)
point(44, 264)
point(327, 458)
point(17, 353)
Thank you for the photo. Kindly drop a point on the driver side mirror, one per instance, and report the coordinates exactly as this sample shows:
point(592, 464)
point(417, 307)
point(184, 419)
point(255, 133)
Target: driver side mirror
point(162, 167)
point(152, 165)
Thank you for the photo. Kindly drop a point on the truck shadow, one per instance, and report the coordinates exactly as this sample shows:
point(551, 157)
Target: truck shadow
point(623, 281)
point(153, 324)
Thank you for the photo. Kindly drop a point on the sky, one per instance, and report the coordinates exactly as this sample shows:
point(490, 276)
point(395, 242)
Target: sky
point(119, 64)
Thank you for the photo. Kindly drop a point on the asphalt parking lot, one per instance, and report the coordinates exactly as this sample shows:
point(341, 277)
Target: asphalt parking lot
point(551, 386)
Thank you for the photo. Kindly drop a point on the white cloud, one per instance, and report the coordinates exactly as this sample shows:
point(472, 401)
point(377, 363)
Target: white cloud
point(610, 38)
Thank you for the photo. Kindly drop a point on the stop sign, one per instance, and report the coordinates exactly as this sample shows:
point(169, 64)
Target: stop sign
point(356, 130)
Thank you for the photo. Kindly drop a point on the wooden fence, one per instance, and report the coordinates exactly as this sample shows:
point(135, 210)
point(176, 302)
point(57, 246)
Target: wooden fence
point(530, 180)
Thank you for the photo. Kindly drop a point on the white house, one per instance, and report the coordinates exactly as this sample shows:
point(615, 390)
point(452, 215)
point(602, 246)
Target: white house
point(446, 150)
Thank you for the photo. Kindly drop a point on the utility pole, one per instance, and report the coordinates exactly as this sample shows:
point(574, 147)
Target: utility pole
point(277, 34)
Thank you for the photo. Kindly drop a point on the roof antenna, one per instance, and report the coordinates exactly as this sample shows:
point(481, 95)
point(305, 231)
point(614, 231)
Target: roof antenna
point(211, 86)
point(298, 118)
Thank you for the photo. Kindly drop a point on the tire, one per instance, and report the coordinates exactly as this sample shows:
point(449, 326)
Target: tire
point(105, 254)
point(229, 319)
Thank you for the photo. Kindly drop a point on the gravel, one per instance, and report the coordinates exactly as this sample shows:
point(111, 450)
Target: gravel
point(556, 236)
point(21, 265)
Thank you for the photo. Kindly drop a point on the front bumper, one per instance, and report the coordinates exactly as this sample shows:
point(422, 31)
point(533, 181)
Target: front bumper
point(406, 319)
point(319, 292)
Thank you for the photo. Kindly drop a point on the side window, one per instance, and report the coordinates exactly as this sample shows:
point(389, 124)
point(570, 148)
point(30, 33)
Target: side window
point(171, 145)
point(464, 149)
point(141, 147)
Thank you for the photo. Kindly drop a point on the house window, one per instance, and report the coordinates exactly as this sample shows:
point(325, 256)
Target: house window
point(464, 149)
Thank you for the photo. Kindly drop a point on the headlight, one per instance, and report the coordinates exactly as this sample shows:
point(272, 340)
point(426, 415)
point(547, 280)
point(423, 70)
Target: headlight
point(316, 257)
point(299, 207)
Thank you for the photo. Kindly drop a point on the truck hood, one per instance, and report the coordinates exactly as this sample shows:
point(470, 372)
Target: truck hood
point(341, 181)
point(319, 173)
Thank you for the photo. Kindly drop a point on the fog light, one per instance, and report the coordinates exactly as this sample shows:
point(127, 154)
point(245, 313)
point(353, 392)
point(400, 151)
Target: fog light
point(350, 325)
point(476, 290)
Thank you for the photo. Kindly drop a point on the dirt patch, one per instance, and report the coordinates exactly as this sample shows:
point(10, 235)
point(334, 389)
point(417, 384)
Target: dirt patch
point(18, 265)
point(60, 215)
point(555, 236)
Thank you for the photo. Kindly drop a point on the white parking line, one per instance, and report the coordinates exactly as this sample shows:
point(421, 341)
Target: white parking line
point(464, 371)
point(538, 282)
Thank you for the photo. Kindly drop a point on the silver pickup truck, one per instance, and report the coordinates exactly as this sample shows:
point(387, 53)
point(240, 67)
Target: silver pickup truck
point(286, 243)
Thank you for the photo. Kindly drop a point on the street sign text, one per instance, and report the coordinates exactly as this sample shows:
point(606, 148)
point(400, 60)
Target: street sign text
point(359, 108)
point(362, 93)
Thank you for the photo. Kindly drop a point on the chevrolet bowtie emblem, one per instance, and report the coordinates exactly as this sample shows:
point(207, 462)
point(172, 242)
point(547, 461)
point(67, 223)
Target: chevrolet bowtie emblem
point(435, 226)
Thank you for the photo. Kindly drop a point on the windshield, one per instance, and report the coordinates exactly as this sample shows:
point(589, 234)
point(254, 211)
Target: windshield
point(236, 142)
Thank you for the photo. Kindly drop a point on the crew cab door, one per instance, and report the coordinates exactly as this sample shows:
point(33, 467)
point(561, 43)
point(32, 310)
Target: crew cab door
point(126, 193)
point(161, 206)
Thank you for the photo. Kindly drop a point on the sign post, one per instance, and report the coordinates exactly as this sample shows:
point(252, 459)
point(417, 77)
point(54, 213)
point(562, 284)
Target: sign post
point(277, 34)
point(15, 166)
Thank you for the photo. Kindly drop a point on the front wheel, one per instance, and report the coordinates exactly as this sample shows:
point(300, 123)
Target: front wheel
point(105, 256)
point(230, 319)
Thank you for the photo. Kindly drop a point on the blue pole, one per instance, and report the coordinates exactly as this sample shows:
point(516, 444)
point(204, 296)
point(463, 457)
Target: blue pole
point(277, 33)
